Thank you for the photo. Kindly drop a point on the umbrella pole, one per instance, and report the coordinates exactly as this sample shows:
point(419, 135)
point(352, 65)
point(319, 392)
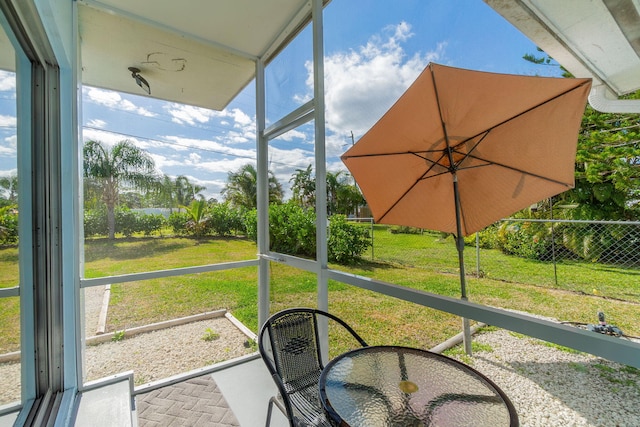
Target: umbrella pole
point(466, 329)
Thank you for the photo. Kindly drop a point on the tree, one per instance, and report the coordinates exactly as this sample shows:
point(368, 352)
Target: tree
point(303, 186)
point(123, 165)
point(608, 166)
point(349, 200)
point(198, 217)
point(185, 191)
point(10, 186)
point(607, 163)
point(342, 196)
point(163, 196)
point(176, 192)
point(607, 187)
point(241, 188)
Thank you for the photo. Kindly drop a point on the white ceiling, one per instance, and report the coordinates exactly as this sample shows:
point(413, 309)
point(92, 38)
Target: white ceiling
point(196, 52)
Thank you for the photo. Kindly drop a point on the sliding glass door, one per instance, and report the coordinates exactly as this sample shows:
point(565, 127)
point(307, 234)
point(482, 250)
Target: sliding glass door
point(10, 381)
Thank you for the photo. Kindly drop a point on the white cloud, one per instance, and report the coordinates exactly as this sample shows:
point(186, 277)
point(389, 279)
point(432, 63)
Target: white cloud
point(293, 135)
point(109, 139)
point(188, 114)
point(241, 118)
point(97, 123)
point(182, 144)
point(8, 151)
point(8, 121)
point(361, 85)
point(223, 165)
point(7, 81)
point(114, 100)
point(237, 126)
point(9, 173)
point(12, 141)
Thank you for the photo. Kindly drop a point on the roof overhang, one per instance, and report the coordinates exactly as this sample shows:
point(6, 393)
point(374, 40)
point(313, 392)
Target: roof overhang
point(599, 39)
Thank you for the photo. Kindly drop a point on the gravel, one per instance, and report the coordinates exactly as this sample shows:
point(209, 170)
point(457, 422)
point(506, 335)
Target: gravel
point(152, 356)
point(167, 352)
point(549, 387)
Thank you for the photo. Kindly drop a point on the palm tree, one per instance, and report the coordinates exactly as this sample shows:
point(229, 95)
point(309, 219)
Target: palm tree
point(198, 218)
point(185, 191)
point(242, 188)
point(164, 195)
point(177, 192)
point(303, 186)
point(124, 164)
point(10, 185)
point(342, 196)
point(334, 184)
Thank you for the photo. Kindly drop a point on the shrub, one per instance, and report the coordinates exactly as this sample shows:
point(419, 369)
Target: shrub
point(347, 241)
point(292, 230)
point(150, 223)
point(403, 229)
point(126, 222)
point(178, 222)
point(199, 223)
point(525, 239)
point(8, 225)
point(250, 221)
point(225, 220)
point(487, 238)
point(95, 222)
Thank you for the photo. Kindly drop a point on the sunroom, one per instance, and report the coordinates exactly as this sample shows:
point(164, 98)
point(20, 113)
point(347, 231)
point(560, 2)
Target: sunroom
point(204, 54)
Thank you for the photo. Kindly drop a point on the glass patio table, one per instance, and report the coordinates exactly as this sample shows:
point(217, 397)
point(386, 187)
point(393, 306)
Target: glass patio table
point(401, 386)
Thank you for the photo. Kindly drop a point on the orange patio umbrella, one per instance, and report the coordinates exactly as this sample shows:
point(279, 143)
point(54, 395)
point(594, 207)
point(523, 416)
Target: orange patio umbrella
point(461, 149)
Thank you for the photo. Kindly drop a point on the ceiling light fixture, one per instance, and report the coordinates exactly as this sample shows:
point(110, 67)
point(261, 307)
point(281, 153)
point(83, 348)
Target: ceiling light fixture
point(135, 73)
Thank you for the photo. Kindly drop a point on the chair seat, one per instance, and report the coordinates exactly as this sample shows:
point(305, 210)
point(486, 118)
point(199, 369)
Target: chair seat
point(306, 401)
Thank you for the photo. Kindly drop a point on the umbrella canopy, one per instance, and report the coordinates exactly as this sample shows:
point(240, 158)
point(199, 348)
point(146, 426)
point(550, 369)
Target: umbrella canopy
point(461, 149)
point(506, 140)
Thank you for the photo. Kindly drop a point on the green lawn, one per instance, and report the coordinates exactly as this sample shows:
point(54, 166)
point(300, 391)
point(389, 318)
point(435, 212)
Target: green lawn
point(425, 262)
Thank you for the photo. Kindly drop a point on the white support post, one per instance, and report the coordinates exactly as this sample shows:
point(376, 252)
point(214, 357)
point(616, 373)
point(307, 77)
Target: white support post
point(320, 156)
point(262, 149)
point(321, 170)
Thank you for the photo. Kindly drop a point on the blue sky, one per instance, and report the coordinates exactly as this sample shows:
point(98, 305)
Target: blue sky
point(373, 52)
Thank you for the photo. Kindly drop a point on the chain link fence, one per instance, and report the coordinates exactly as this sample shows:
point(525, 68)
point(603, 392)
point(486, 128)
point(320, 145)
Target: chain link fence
point(560, 253)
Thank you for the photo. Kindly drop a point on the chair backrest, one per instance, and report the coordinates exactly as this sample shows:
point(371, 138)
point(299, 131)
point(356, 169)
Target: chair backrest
point(290, 346)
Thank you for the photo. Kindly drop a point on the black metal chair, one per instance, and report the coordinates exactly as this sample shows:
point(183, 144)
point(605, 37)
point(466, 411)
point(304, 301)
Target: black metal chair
point(290, 347)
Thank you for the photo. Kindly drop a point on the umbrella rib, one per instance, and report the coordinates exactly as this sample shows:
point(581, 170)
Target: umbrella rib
point(422, 177)
point(488, 130)
point(443, 124)
point(397, 153)
point(535, 175)
point(523, 112)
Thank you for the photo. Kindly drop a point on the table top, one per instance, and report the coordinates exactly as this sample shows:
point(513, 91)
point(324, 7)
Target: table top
point(401, 386)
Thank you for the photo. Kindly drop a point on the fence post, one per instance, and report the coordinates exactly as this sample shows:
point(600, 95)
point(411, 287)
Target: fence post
point(371, 222)
point(553, 243)
point(477, 255)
